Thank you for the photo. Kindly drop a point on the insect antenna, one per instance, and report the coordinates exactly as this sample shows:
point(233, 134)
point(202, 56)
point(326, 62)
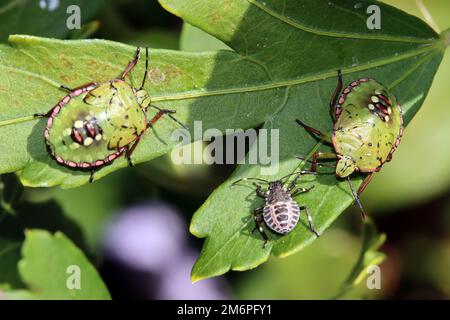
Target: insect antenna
point(246, 179)
point(146, 69)
point(169, 114)
point(298, 173)
point(355, 195)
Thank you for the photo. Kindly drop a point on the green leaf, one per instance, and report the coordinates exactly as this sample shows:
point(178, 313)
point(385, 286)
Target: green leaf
point(46, 215)
point(369, 256)
point(45, 269)
point(9, 256)
point(317, 273)
point(423, 144)
point(194, 39)
point(90, 206)
point(10, 192)
point(299, 45)
point(284, 67)
point(41, 18)
point(86, 30)
point(34, 68)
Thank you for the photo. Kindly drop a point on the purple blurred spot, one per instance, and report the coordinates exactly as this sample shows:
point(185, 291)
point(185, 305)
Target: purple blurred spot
point(150, 241)
point(147, 237)
point(176, 283)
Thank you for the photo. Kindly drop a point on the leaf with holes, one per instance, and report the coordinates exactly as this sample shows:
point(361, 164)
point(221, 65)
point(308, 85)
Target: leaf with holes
point(298, 46)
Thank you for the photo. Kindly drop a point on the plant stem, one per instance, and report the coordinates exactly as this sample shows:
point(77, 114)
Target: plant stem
point(427, 15)
point(445, 36)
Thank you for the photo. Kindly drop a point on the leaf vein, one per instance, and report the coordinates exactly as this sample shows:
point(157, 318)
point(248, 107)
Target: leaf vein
point(320, 32)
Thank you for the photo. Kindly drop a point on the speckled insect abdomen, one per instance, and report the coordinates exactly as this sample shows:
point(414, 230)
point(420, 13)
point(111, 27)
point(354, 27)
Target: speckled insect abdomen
point(281, 215)
point(280, 212)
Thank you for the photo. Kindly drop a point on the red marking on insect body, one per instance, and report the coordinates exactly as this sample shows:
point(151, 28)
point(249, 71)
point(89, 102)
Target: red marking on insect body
point(72, 164)
point(354, 83)
point(341, 100)
point(90, 130)
point(384, 98)
point(381, 108)
point(99, 163)
point(77, 92)
point(76, 136)
point(66, 99)
point(59, 159)
point(112, 157)
point(56, 110)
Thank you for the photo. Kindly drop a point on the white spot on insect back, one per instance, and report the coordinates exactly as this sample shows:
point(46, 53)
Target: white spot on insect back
point(98, 137)
point(375, 99)
point(78, 124)
point(371, 106)
point(88, 141)
point(74, 146)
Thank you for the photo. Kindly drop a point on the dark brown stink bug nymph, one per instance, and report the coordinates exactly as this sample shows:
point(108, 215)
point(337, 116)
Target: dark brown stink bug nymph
point(96, 123)
point(280, 211)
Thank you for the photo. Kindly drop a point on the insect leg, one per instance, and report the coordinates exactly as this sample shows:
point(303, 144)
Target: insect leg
point(325, 165)
point(43, 115)
point(65, 88)
point(322, 136)
point(72, 93)
point(257, 215)
point(294, 182)
point(365, 183)
point(297, 176)
point(259, 191)
point(298, 191)
point(132, 64)
point(356, 196)
point(91, 176)
point(162, 112)
point(248, 179)
point(146, 69)
point(130, 150)
point(335, 95)
point(81, 89)
point(310, 220)
point(321, 155)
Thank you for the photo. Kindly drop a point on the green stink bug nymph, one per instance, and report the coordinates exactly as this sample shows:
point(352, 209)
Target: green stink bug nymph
point(368, 127)
point(98, 122)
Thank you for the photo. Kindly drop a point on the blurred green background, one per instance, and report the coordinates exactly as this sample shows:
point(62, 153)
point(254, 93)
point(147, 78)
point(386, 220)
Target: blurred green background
point(414, 213)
